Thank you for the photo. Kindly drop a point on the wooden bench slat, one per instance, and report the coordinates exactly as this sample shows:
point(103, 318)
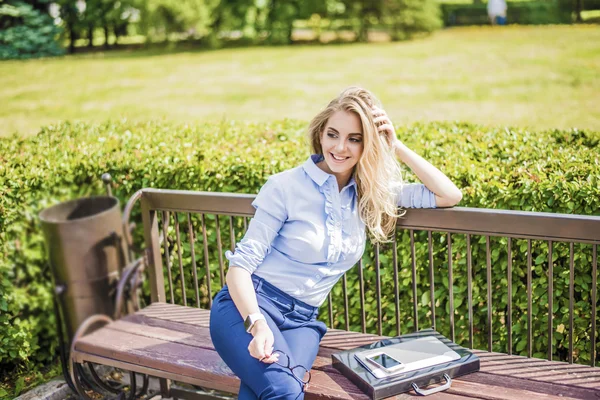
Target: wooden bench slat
point(195, 336)
point(153, 352)
point(185, 359)
point(339, 339)
point(141, 319)
point(438, 396)
point(552, 388)
point(200, 338)
point(174, 342)
point(538, 370)
point(225, 385)
point(498, 392)
point(334, 338)
point(317, 391)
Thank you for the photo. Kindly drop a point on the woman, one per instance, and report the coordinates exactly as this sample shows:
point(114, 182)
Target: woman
point(308, 230)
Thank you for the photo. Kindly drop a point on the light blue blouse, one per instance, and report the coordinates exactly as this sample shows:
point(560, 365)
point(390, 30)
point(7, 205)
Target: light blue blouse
point(306, 233)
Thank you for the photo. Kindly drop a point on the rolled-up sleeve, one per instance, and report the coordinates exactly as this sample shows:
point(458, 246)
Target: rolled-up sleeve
point(416, 195)
point(270, 215)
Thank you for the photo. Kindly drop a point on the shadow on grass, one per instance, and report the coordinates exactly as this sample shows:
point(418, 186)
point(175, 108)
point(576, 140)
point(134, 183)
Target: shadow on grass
point(144, 50)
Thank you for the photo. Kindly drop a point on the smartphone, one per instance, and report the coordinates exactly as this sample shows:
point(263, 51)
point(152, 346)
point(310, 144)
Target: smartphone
point(384, 361)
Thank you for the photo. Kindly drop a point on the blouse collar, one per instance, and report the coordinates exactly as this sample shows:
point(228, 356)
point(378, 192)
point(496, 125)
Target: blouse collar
point(317, 174)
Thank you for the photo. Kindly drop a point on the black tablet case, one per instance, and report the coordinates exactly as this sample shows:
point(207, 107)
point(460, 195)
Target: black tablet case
point(386, 387)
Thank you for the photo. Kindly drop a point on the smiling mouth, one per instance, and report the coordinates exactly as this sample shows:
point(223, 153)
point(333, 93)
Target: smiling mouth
point(338, 158)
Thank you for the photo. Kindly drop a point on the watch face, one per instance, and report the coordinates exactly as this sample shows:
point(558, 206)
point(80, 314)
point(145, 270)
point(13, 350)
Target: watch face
point(251, 319)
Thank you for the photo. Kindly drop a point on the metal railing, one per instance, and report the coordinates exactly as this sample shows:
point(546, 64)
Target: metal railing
point(439, 248)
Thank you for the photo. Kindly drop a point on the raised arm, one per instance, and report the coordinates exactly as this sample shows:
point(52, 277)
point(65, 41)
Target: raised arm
point(446, 192)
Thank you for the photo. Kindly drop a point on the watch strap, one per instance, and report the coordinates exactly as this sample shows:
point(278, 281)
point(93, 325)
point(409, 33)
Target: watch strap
point(251, 319)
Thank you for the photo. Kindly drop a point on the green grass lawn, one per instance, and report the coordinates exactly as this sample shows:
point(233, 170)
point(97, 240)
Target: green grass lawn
point(539, 77)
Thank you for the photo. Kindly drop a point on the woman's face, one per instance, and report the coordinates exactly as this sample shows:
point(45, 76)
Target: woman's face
point(342, 142)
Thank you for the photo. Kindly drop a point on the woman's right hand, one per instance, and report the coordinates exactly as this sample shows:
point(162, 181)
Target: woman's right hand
point(261, 346)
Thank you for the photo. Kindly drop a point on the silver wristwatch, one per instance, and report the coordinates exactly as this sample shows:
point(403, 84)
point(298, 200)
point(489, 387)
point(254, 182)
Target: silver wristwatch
point(251, 320)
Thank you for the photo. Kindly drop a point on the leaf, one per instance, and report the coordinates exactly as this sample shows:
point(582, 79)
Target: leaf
point(540, 259)
point(425, 298)
point(19, 385)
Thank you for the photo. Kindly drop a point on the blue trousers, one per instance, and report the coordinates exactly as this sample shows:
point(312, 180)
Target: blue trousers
point(296, 331)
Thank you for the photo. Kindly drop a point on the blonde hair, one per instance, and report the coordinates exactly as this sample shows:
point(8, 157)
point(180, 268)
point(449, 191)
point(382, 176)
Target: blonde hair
point(377, 174)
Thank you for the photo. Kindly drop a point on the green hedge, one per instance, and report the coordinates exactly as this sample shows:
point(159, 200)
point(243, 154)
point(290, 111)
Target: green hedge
point(555, 171)
point(518, 12)
point(591, 4)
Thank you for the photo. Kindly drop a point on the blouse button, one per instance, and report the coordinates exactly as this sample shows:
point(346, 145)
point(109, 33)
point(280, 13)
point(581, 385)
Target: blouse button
point(338, 224)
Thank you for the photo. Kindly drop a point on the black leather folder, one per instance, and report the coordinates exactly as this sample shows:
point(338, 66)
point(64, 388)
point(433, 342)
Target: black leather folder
point(416, 380)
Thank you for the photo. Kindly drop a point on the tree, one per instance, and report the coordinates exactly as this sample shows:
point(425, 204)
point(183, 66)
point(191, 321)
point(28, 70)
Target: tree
point(578, 10)
point(26, 32)
point(280, 20)
point(159, 18)
point(365, 13)
point(110, 15)
point(70, 17)
point(408, 18)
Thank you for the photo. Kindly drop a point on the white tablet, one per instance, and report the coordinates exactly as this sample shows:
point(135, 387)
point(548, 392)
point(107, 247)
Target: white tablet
point(407, 356)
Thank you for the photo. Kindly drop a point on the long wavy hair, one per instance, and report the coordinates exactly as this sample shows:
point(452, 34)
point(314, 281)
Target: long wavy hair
point(377, 174)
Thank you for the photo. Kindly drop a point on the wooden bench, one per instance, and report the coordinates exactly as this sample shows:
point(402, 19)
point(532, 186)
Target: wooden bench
point(172, 342)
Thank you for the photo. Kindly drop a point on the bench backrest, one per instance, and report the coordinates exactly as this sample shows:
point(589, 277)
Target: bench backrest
point(485, 278)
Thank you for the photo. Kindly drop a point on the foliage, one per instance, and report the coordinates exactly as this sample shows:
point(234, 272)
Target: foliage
point(81, 19)
point(212, 22)
point(517, 12)
point(159, 18)
point(26, 32)
point(412, 17)
point(591, 4)
point(553, 171)
point(19, 381)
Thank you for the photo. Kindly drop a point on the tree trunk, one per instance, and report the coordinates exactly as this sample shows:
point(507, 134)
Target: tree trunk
point(363, 29)
point(290, 22)
point(90, 36)
point(363, 23)
point(578, 10)
point(271, 17)
point(106, 34)
point(217, 19)
point(71, 38)
point(69, 15)
point(290, 31)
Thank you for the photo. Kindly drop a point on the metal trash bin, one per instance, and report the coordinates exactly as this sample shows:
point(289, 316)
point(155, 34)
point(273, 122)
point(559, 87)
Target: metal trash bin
point(86, 251)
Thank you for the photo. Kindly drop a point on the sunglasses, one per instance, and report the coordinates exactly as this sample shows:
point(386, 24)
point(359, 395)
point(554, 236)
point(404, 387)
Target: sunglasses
point(301, 374)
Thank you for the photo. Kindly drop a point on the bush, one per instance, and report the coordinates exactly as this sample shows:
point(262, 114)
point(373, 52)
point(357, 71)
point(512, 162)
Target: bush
point(518, 12)
point(591, 4)
point(27, 33)
point(408, 18)
point(554, 171)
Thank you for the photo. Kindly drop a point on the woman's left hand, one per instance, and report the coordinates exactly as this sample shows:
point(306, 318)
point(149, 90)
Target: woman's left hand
point(385, 126)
